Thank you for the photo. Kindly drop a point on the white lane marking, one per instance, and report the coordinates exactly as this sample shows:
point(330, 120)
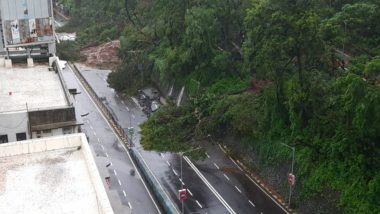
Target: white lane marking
point(236, 164)
point(130, 205)
point(220, 146)
point(220, 198)
point(126, 107)
point(133, 116)
point(226, 176)
point(117, 95)
point(125, 149)
point(199, 204)
point(114, 171)
point(119, 182)
point(123, 102)
point(167, 162)
point(238, 189)
point(181, 181)
point(91, 127)
point(110, 163)
point(258, 185)
point(216, 165)
point(175, 172)
point(208, 156)
point(251, 203)
point(189, 192)
point(95, 134)
point(102, 146)
point(162, 155)
point(99, 140)
point(106, 154)
point(125, 195)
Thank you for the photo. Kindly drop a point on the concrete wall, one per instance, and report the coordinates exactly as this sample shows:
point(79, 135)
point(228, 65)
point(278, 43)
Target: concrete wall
point(63, 142)
point(12, 123)
point(16, 9)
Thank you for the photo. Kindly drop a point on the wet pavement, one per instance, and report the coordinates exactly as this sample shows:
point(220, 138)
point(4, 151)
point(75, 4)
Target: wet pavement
point(225, 188)
point(126, 191)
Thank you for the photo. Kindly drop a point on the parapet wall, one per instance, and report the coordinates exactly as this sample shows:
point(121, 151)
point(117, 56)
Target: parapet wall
point(63, 142)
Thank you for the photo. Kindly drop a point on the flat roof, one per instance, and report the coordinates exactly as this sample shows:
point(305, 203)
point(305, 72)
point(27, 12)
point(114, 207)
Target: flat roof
point(36, 86)
point(36, 177)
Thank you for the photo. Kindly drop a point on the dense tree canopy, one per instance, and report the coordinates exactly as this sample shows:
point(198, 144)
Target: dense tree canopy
point(301, 72)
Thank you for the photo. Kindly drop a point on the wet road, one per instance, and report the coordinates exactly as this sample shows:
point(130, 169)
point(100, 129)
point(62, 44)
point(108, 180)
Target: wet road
point(216, 184)
point(126, 192)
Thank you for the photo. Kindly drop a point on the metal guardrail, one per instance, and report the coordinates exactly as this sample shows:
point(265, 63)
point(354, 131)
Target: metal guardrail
point(121, 133)
point(159, 193)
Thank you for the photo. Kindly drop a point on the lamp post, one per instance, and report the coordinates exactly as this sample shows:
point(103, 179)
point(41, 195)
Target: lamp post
point(181, 156)
point(291, 183)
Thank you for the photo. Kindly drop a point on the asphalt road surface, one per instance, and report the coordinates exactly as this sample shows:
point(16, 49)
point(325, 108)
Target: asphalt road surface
point(216, 184)
point(127, 192)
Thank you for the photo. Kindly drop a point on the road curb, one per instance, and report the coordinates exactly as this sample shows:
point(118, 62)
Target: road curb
point(260, 182)
point(162, 197)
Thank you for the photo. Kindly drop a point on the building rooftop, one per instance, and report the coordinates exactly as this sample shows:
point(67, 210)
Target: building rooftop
point(50, 175)
point(37, 87)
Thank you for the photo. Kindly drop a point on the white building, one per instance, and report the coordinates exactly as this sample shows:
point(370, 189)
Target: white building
point(51, 175)
point(34, 103)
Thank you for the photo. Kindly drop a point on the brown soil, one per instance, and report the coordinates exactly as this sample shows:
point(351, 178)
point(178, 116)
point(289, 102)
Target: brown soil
point(104, 55)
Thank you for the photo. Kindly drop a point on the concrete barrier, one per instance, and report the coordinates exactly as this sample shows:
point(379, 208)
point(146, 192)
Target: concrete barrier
point(155, 186)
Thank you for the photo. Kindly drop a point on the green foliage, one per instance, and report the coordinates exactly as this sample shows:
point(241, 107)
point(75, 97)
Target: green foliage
point(217, 47)
point(68, 50)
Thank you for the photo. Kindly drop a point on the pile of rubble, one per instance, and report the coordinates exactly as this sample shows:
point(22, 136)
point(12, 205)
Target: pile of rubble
point(104, 55)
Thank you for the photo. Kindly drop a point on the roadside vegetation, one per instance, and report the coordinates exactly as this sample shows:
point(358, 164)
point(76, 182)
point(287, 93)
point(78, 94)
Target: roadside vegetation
point(263, 72)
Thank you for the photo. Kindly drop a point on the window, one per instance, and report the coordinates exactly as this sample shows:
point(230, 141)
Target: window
point(3, 138)
point(21, 136)
point(67, 130)
point(47, 131)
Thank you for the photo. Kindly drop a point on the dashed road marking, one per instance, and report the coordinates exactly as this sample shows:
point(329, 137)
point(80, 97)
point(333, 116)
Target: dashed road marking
point(99, 140)
point(258, 185)
point(102, 146)
point(91, 127)
point(181, 181)
point(205, 181)
point(208, 156)
point(125, 195)
point(199, 204)
point(167, 162)
point(133, 116)
point(238, 189)
point(110, 163)
point(95, 134)
point(216, 165)
point(126, 107)
point(226, 176)
point(114, 171)
point(119, 182)
point(189, 192)
point(251, 203)
point(130, 205)
point(175, 172)
point(107, 154)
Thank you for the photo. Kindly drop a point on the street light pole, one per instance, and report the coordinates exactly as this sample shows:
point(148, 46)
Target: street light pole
point(293, 154)
point(181, 156)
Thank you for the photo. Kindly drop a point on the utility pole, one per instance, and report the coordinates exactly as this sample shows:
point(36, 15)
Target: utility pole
point(291, 176)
